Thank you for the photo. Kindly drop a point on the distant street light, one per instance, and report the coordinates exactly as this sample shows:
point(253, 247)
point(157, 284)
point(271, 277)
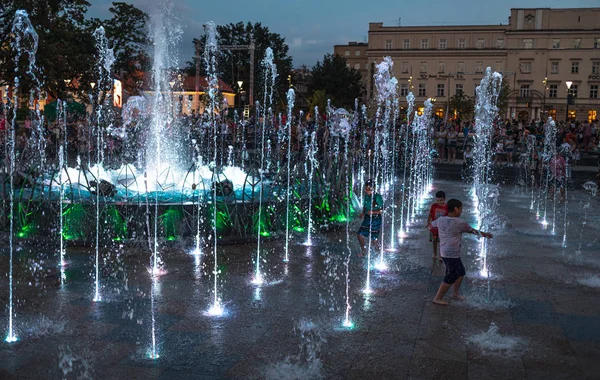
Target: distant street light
point(568, 83)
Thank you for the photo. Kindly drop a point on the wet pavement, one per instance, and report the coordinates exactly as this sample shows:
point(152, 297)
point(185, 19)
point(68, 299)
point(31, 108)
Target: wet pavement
point(541, 296)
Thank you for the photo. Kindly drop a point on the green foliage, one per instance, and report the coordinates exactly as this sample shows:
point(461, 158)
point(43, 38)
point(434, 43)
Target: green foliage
point(66, 46)
point(234, 65)
point(127, 34)
point(339, 82)
point(463, 104)
point(504, 96)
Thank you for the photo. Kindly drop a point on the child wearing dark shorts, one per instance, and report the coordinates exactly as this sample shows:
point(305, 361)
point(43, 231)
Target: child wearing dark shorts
point(450, 229)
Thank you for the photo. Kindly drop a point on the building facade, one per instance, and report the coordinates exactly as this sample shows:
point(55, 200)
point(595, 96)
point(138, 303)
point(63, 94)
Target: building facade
point(539, 52)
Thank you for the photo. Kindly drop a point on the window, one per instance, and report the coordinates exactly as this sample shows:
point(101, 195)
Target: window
point(367, 66)
point(556, 43)
point(347, 53)
point(552, 90)
point(388, 44)
point(441, 67)
point(443, 43)
point(439, 112)
point(460, 67)
point(526, 67)
point(462, 43)
point(406, 44)
point(596, 43)
point(575, 67)
point(480, 43)
point(552, 114)
point(422, 89)
point(524, 91)
point(572, 114)
point(554, 67)
point(577, 43)
point(404, 67)
point(357, 53)
point(424, 43)
point(595, 67)
point(357, 66)
point(459, 89)
point(573, 90)
point(528, 43)
point(423, 67)
point(592, 115)
point(593, 91)
point(404, 89)
point(441, 89)
point(500, 43)
point(479, 67)
point(498, 66)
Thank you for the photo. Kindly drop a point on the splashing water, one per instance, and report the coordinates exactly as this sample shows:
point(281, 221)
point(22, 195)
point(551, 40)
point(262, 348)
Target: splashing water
point(305, 365)
point(491, 341)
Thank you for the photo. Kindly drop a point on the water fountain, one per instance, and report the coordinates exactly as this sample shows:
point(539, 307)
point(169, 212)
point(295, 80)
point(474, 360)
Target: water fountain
point(210, 61)
point(270, 75)
point(312, 161)
point(290, 98)
point(410, 99)
point(485, 194)
point(25, 42)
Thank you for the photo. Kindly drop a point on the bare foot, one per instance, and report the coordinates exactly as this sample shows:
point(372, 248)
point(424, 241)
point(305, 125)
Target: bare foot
point(440, 302)
point(457, 297)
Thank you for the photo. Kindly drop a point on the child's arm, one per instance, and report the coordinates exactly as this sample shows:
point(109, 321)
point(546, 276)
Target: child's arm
point(481, 233)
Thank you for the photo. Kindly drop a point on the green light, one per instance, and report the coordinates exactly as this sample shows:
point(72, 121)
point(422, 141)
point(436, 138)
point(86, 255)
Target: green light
point(74, 222)
point(170, 221)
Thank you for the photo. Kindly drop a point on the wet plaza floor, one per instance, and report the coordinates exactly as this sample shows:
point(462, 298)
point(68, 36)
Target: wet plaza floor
point(535, 316)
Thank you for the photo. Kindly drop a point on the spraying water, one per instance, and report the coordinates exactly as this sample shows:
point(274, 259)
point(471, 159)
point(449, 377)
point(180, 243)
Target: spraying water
point(312, 160)
point(210, 61)
point(410, 99)
point(25, 42)
point(484, 192)
point(106, 59)
point(290, 98)
point(62, 156)
point(270, 76)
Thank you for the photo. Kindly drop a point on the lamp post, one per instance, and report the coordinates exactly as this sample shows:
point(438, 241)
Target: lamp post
point(568, 83)
point(545, 82)
point(240, 83)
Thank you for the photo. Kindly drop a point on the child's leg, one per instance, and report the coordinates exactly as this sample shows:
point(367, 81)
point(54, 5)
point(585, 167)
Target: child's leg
point(435, 244)
point(440, 294)
point(361, 241)
point(456, 287)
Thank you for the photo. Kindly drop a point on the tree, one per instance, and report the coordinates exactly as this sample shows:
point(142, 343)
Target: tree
point(127, 34)
point(464, 105)
point(234, 65)
point(341, 83)
point(504, 97)
point(65, 47)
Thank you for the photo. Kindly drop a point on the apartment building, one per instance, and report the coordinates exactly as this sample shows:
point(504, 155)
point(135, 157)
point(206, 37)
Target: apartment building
point(539, 51)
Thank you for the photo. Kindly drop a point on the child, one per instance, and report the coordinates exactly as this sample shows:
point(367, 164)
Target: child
point(451, 229)
point(372, 209)
point(437, 209)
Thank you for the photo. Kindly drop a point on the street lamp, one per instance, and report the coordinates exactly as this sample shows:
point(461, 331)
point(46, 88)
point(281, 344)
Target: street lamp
point(240, 83)
point(568, 83)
